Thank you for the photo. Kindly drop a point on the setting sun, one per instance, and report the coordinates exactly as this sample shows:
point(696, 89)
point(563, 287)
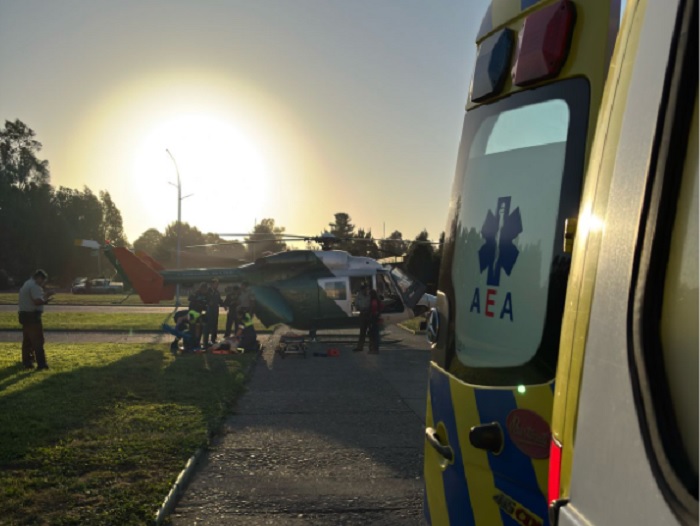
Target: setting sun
point(216, 162)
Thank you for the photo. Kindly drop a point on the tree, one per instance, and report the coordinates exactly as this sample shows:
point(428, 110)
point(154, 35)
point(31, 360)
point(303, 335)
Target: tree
point(394, 245)
point(265, 238)
point(166, 253)
point(364, 245)
point(112, 225)
point(40, 224)
point(26, 213)
point(419, 259)
point(80, 215)
point(80, 211)
point(149, 241)
point(19, 165)
point(344, 230)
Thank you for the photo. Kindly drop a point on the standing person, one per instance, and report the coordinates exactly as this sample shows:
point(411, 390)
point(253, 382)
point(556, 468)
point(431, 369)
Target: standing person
point(246, 300)
point(211, 323)
point(231, 305)
point(375, 311)
point(32, 299)
point(197, 306)
point(362, 304)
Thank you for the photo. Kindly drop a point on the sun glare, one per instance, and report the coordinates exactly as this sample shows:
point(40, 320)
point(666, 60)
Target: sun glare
point(222, 173)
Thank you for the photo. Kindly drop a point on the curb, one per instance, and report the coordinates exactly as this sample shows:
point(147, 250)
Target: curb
point(404, 328)
point(183, 479)
point(178, 488)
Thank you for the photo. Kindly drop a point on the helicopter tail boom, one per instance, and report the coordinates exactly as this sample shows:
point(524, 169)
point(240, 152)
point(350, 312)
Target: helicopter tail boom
point(143, 272)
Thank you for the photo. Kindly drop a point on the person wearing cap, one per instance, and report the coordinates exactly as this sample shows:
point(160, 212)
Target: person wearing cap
point(32, 299)
point(362, 304)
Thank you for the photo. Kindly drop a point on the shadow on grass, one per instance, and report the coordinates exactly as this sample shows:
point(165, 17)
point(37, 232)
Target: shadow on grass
point(47, 411)
point(85, 443)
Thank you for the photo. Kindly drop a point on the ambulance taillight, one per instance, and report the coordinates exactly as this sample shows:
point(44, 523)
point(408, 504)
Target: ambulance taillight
point(554, 480)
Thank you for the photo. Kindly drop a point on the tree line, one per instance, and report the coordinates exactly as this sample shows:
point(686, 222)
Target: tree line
point(40, 223)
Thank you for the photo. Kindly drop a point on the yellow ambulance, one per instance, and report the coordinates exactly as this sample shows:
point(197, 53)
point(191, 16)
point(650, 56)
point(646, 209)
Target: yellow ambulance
point(524, 261)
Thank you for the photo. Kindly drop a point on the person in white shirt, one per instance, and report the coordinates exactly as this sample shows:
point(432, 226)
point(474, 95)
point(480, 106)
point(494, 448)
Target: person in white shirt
point(32, 299)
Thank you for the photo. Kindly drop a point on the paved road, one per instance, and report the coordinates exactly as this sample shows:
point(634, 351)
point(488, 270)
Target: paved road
point(319, 441)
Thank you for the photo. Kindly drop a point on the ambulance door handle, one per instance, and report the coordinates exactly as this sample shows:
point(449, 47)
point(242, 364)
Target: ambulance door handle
point(434, 440)
point(488, 437)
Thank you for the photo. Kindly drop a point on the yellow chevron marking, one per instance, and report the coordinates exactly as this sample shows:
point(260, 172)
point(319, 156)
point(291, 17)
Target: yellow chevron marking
point(432, 474)
point(480, 480)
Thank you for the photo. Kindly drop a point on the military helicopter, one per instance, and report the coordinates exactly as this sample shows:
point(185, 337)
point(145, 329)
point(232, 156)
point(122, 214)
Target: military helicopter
point(304, 289)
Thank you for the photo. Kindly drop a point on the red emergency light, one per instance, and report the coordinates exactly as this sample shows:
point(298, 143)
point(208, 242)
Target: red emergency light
point(544, 43)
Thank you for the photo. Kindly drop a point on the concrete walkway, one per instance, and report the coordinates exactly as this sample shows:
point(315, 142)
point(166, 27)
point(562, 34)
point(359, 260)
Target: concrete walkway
point(319, 441)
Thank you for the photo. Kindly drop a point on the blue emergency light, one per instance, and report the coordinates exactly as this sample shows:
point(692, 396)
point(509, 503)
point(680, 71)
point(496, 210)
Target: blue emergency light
point(492, 64)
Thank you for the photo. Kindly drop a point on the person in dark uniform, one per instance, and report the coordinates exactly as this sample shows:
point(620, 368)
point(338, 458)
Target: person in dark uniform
point(375, 312)
point(197, 308)
point(211, 321)
point(231, 305)
point(362, 304)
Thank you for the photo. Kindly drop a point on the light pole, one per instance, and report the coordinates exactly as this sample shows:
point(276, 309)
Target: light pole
point(179, 214)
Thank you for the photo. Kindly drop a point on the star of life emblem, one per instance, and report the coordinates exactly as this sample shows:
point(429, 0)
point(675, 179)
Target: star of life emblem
point(499, 253)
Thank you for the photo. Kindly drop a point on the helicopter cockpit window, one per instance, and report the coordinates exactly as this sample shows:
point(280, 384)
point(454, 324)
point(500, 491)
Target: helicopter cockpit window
point(412, 290)
point(388, 294)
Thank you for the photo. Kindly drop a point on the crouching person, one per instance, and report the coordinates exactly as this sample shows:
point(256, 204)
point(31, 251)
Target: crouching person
point(247, 335)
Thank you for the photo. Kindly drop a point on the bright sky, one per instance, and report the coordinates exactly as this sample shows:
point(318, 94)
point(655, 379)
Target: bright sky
point(290, 109)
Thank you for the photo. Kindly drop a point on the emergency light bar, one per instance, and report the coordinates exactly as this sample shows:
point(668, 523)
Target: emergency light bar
point(543, 47)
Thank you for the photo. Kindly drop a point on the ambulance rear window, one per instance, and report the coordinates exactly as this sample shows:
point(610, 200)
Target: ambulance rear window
point(522, 168)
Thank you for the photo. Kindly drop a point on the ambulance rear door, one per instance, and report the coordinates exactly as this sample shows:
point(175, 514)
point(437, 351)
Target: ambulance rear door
point(533, 104)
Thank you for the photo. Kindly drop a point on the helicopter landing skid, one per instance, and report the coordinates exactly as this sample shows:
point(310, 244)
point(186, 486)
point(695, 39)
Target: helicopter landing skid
point(292, 344)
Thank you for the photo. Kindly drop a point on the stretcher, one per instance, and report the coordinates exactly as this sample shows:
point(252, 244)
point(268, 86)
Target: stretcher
point(292, 343)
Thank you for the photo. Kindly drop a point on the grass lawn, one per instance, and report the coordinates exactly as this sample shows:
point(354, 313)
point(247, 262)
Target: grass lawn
point(97, 321)
point(100, 437)
point(63, 298)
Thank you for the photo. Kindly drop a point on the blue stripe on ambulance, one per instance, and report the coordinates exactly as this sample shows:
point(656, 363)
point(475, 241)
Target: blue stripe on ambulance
point(454, 479)
point(511, 462)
